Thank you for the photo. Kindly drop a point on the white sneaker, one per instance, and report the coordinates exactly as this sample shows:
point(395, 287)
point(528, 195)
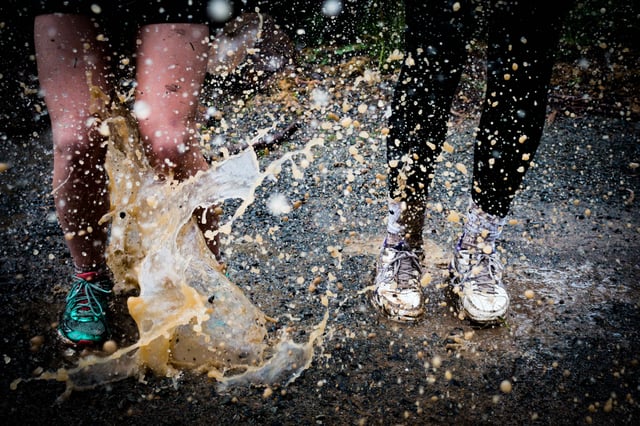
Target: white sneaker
point(477, 281)
point(476, 269)
point(398, 293)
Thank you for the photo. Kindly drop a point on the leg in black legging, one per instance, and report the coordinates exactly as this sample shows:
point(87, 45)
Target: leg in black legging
point(436, 38)
point(521, 42)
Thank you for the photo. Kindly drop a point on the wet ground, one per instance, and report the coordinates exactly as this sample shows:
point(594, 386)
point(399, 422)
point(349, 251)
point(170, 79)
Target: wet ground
point(567, 353)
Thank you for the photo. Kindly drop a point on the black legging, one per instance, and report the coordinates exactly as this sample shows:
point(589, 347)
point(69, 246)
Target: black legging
point(522, 37)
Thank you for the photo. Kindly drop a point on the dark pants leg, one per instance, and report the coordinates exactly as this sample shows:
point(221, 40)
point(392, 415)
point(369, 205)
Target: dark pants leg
point(435, 40)
point(522, 40)
point(436, 36)
point(520, 44)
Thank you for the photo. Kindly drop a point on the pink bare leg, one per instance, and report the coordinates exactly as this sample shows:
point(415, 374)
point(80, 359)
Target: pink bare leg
point(66, 50)
point(172, 61)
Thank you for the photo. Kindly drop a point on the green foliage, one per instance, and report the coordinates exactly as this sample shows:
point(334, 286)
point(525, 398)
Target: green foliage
point(382, 28)
point(599, 23)
point(376, 27)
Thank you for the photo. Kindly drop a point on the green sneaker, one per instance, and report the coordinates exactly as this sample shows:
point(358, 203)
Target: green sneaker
point(84, 320)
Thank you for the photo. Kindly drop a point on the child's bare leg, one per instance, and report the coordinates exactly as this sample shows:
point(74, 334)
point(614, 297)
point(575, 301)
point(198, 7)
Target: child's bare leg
point(69, 60)
point(172, 61)
point(66, 50)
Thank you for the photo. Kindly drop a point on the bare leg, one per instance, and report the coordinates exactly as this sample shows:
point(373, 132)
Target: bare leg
point(66, 50)
point(172, 61)
point(171, 67)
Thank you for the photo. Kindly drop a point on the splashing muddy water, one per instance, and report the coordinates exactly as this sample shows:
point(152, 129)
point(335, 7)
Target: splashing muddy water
point(189, 315)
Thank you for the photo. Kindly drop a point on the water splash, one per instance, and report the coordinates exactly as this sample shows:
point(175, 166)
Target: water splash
point(189, 315)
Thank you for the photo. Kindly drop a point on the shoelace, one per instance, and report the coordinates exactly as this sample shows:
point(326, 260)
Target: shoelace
point(84, 299)
point(405, 263)
point(485, 279)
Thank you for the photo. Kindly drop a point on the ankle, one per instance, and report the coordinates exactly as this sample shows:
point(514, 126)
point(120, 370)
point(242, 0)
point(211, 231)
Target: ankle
point(405, 223)
point(392, 240)
point(481, 229)
point(92, 273)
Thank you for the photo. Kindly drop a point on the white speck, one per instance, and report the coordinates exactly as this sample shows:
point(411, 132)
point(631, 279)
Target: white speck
point(219, 140)
point(278, 204)
point(219, 10)
point(320, 97)
point(583, 63)
point(332, 7)
point(141, 110)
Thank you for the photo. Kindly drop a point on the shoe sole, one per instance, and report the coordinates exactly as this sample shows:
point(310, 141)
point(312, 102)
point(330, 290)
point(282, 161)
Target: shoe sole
point(482, 320)
point(80, 344)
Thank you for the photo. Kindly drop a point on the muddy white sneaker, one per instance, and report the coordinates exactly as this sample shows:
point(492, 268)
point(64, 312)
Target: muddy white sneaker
point(476, 269)
point(477, 282)
point(398, 294)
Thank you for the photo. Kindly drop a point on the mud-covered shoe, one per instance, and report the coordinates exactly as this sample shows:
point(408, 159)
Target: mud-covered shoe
point(84, 320)
point(476, 269)
point(398, 293)
point(476, 280)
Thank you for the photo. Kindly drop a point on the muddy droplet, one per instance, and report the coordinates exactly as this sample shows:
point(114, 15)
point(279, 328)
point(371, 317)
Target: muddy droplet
point(436, 361)
point(110, 347)
point(267, 393)
point(36, 343)
point(505, 386)
point(426, 279)
point(447, 147)
point(453, 217)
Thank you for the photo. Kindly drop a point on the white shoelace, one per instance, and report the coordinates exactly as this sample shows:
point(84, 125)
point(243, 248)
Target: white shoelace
point(406, 267)
point(484, 271)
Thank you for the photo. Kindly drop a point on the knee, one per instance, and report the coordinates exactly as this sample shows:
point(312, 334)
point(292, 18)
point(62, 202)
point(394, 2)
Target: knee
point(167, 154)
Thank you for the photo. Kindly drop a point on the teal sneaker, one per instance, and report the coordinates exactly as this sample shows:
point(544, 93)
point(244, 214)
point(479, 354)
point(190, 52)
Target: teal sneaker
point(84, 320)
